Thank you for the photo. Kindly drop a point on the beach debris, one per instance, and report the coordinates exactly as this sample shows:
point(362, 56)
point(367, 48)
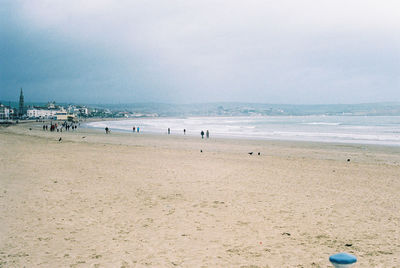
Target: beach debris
point(348, 159)
point(285, 233)
point(348, 245)
point(201, 151)
point(83, 137)
point(259, 153)
point(251, 153)
point(342, 259)
point(30, 128)
point(60, 139)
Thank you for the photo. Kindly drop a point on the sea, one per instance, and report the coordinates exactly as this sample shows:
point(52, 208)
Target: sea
point(379, 130)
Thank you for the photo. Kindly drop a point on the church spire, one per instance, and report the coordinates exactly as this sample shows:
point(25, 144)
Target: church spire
point(21, 108)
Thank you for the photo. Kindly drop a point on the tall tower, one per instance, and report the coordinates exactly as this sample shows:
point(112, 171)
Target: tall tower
point(21, 109)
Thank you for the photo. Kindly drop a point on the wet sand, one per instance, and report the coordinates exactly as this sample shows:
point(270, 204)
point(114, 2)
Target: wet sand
point(138, 200)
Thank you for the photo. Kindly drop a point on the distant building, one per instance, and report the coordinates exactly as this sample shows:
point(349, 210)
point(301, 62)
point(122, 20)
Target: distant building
point(78, 110)
point(64, 116)
point(51, 105)
point(21, 107)
point(42, 113)
point(84, 111)
point(4, 112)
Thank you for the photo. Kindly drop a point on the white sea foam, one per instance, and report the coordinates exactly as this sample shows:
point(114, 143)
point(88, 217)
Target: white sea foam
point(322, 123)
point(383, 130)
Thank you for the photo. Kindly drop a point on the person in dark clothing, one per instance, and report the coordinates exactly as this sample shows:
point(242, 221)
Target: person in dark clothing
point(202, 134)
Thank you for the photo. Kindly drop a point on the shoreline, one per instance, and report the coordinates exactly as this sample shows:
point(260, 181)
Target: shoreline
point(215, 144)
point(332, 137)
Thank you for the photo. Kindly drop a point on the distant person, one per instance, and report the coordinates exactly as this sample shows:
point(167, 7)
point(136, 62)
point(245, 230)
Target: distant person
point(106, 130)
point(184, 131)
point(134, 129)
point(138, 129)
point(44, 127)
point(202, 134)
point(207, 134)
point(169, 131)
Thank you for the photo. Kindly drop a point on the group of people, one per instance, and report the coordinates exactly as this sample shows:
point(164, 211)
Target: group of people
point(59, 128)
point(137, 129)
point(207, 134)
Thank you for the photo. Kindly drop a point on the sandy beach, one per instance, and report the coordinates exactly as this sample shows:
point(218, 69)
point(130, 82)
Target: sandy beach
point(140, 200)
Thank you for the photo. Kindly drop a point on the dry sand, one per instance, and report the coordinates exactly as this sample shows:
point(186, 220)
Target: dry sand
point(136, 200)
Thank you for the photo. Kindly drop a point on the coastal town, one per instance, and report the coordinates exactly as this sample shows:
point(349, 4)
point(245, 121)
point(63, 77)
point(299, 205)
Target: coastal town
point(54, 111)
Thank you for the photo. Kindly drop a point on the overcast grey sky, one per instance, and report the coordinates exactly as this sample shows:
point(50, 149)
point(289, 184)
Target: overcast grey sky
point(183, 51)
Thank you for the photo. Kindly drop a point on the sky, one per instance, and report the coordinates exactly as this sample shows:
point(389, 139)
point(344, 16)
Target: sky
point(189, 51)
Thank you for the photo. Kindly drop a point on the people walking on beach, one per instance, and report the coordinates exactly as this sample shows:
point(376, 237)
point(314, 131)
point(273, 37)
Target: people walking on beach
point(138, 129)
point(202, 134)
point(184, 131)
point(207, 134)
point(169, 131)
point(134, 129)
point(107, 130)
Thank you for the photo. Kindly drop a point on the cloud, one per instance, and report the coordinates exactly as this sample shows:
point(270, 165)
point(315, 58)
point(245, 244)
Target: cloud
point(189, 51)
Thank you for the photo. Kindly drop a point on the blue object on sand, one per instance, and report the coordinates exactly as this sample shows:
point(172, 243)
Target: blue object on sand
point(342, 258)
